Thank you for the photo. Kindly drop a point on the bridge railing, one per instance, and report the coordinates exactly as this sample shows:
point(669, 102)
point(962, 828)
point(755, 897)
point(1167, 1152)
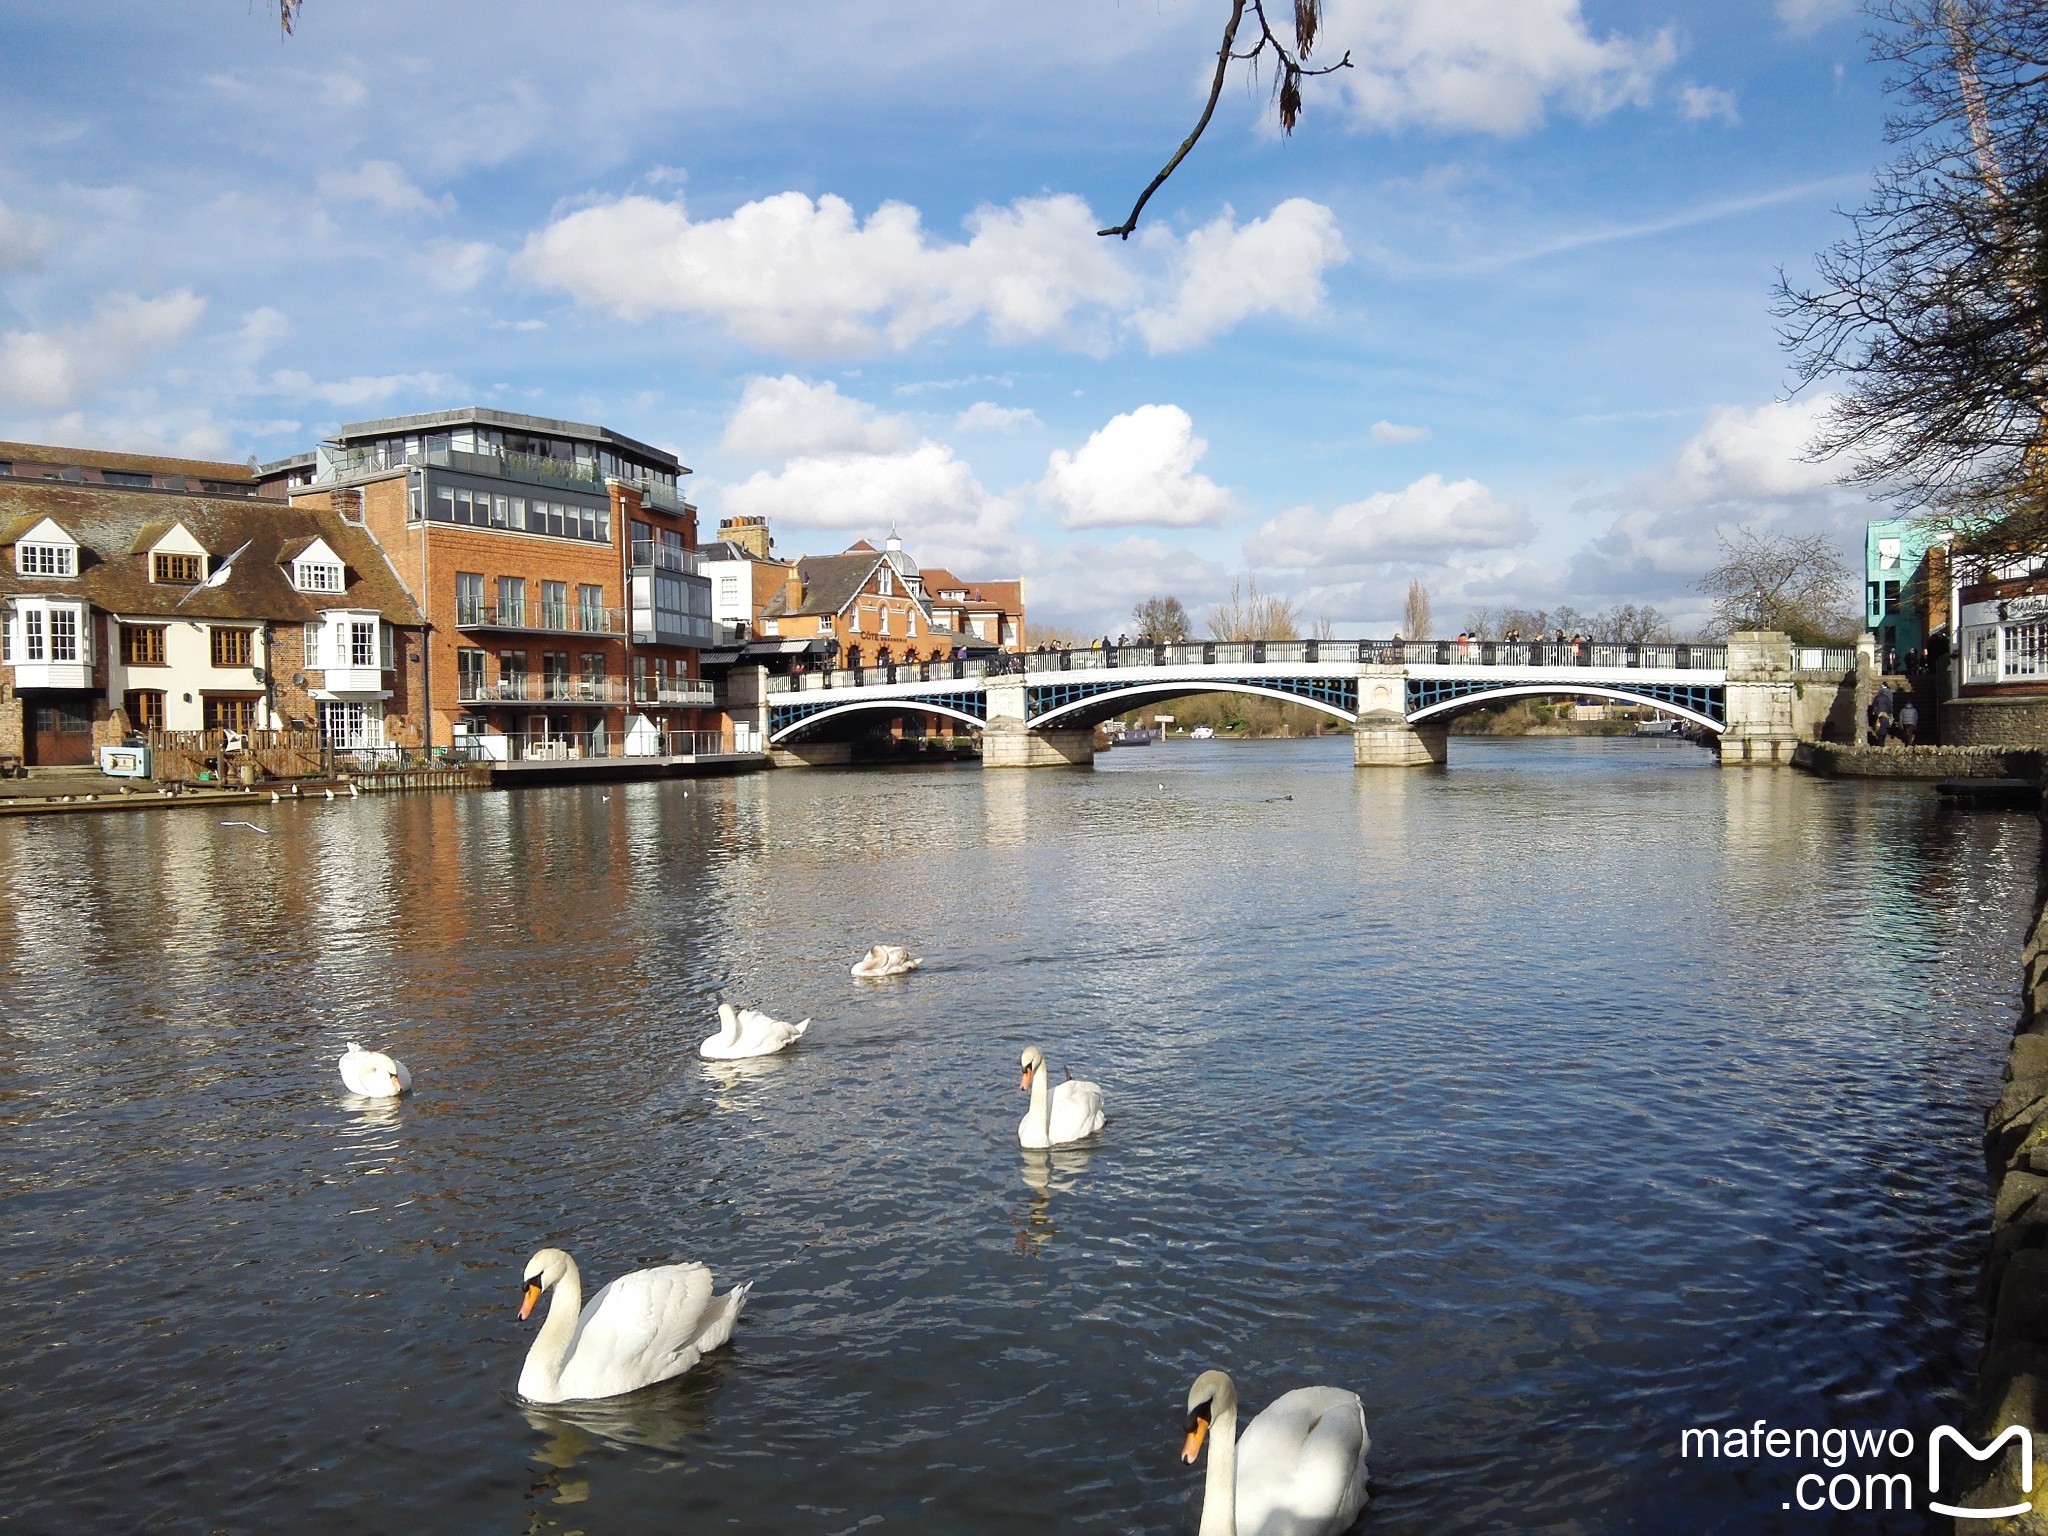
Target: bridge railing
point(894, 672)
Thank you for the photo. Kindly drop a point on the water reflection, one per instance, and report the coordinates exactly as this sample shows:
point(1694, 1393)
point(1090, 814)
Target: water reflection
point(666, 1417)
point(1047, 1173)
point(731, 1077)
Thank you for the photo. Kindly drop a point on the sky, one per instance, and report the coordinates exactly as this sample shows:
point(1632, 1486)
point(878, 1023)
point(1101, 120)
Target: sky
point(1497, 317)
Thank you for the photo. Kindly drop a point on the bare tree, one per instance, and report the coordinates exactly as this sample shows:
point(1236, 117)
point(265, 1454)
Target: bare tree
point(1415, 612)
point(1163, 620)
point(1798, 584)
point(1289, 70)
point(1932, 311)
point(1253, 615)
point(1632, 624)
point(1325, 629)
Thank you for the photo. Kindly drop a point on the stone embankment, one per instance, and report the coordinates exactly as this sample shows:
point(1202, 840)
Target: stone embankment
point(2012, 1380)
point(1834, 760)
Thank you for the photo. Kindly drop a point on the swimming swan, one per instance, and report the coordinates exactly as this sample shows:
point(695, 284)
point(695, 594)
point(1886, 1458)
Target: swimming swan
point(644, 1327)
point(1070, 1112)
point(373, 1074)
point(749, 1033)
point(886, 960)
point(1299, 1470)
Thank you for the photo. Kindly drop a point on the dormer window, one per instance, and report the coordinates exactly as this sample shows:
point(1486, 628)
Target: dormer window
point(888, 585)
point(45, 559)
point(316, 575)
point(175, 570)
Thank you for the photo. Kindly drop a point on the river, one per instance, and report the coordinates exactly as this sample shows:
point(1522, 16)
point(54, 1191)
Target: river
point(1554, 1103)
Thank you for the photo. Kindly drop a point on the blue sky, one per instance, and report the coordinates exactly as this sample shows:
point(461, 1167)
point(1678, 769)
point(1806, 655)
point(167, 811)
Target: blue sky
point(1497, 316)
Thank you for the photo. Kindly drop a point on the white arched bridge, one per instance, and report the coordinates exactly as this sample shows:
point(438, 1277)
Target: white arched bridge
point(1403, 693)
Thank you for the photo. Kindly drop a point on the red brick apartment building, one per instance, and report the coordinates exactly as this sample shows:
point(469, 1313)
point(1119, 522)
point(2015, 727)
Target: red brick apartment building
point(556, 563)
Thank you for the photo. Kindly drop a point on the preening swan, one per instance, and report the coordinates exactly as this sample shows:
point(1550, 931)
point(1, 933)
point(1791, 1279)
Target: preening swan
point(1070, 1112)
point(373, 1074)
point(1299, 1470)
point(886, 960)
point(644, 1327)
point(749, 1033)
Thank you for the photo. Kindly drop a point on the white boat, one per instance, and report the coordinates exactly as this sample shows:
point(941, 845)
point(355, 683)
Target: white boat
point(1202, 733)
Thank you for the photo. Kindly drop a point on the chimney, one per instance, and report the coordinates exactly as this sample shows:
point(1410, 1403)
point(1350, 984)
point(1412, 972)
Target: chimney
point(749, 533)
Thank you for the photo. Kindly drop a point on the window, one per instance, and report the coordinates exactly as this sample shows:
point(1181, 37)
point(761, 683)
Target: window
point(232, 647)
point(1888, 551)
point(729, 591)
point(312, 644)
point(469, 598)
point(176, 570)
point(351, 726)
point(554, 673)
point(63, 634)
point(387, 647)
point(590, 609)
point(887, 583)
point(142, 645)
point(884, 617)
point(771, 626)
point(910, 623)
point(316, 576)
point(512, 668)
point(554, 605)
point(126, 477)
point(45, 560)
point(512, 600)
point(145, 707)
point(469, 673)
point(444, 504)
point(362, 643)
point(593, 667)
point(33, 645)
point(230, 713)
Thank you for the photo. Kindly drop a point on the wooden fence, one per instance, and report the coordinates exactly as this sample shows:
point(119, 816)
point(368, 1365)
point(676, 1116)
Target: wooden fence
point(184, 755)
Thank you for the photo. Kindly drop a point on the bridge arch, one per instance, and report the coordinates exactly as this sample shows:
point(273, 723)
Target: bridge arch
point(1480, 698)
point(796, 728)
point(1099, 707)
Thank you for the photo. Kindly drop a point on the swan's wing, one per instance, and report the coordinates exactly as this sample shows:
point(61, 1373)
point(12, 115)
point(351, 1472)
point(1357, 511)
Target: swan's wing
point(637, 1330)
point(1076, 1110)
point(760, 1034)
point(1301, 1465)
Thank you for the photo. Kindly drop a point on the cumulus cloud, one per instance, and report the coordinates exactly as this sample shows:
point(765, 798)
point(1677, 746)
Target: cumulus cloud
point(1430, 519)
point(1227, 273)
point(921, 487)
point(812, 278)
point(1138, 469)
point(790, 418)
point(380, 183)
point(363, 389)
point(1805, 16)
point(456, 266)
point(1698, 103)
point(1394, 432)
point(48, 370)
point(1494, 66)
point(987, 416)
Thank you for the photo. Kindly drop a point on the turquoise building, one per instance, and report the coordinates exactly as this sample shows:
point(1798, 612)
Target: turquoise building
point(1893, 551)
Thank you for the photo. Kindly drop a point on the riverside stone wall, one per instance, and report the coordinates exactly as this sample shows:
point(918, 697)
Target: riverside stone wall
point(1898, 762)
point(2012, 1379)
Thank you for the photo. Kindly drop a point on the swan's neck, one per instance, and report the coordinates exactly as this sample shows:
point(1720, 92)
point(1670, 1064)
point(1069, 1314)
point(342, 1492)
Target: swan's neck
point(542, 1378)
point(728, 1024)
point(1219, 1486)
point(1041, 1103)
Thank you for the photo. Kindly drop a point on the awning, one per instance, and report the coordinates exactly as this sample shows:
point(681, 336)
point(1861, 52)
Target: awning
point(327, 696)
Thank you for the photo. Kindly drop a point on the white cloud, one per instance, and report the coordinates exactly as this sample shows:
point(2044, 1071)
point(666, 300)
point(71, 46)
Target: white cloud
point(1430, 519)
point(456, 266)
point(1138, 469)
point(987, 416)
point(48, 370)
point(1395, 432)
point(1698, 103)
point(921, 488)
point(382, 184)
point(789, 418)
point(1805, 16)
point(1227, 274)
point(813, 279)
point(23, 239)
point(1491, 65)
point(1745, 454)
point(1094, 587)
point(363, 389)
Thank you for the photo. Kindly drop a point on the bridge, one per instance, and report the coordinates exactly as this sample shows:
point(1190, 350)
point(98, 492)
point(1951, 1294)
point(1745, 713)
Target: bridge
point(1398, 697)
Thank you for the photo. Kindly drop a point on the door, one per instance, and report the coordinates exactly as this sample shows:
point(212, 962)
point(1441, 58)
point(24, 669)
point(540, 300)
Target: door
point(60, 730)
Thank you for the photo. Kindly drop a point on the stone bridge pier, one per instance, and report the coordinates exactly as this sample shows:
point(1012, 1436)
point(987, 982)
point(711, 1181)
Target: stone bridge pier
point(1008, 742)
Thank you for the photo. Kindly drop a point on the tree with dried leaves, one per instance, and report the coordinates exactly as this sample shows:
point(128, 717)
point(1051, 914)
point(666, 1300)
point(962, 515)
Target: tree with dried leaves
point(1415, 613)
point(1162, 620)
point(1289, 66)
point(1932, 312)
point(1795, 583)
point(1253, 615)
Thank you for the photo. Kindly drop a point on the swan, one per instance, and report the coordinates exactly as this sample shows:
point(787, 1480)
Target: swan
point(1299, 1470)
point(644, 1327)
point(749, 1033)
point(886, 960)
point(1070, 1112)
point(373, 1074)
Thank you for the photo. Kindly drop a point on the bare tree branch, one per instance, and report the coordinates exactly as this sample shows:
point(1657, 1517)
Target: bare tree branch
point(1286, 84)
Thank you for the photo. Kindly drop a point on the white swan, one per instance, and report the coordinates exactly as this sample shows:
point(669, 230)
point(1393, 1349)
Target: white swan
point(1299, 1470)
point(749, 1033)
point(643, 1327)
point(886, 960)
point(373, 1074)
point(1070, 1112)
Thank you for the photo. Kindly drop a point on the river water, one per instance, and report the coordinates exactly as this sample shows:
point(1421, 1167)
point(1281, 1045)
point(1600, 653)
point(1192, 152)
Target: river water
point(1553, 1103)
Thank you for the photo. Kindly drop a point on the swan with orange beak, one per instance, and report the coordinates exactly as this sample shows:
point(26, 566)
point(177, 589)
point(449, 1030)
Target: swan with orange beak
point(646, 1326)
point(1298, 1469)
point(1071, 1112)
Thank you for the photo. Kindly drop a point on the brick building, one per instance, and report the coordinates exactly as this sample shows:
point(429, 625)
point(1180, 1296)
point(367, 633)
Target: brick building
point(556, 564)
point(875, 607)
point(133, 608)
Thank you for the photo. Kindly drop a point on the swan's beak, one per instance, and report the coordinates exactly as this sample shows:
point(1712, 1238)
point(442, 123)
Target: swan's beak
point(527, 1300)
point(1026, 1083)
point(1192, 1451)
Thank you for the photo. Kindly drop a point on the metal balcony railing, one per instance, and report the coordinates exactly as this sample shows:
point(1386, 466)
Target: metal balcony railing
point(692, 692)
point(539, 618)
point(540, 688)
point(655, 555)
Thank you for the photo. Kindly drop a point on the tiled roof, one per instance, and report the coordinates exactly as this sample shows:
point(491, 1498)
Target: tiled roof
point(1006, 595)
point(829, 583)
point(110, 524)
point(131, 463)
